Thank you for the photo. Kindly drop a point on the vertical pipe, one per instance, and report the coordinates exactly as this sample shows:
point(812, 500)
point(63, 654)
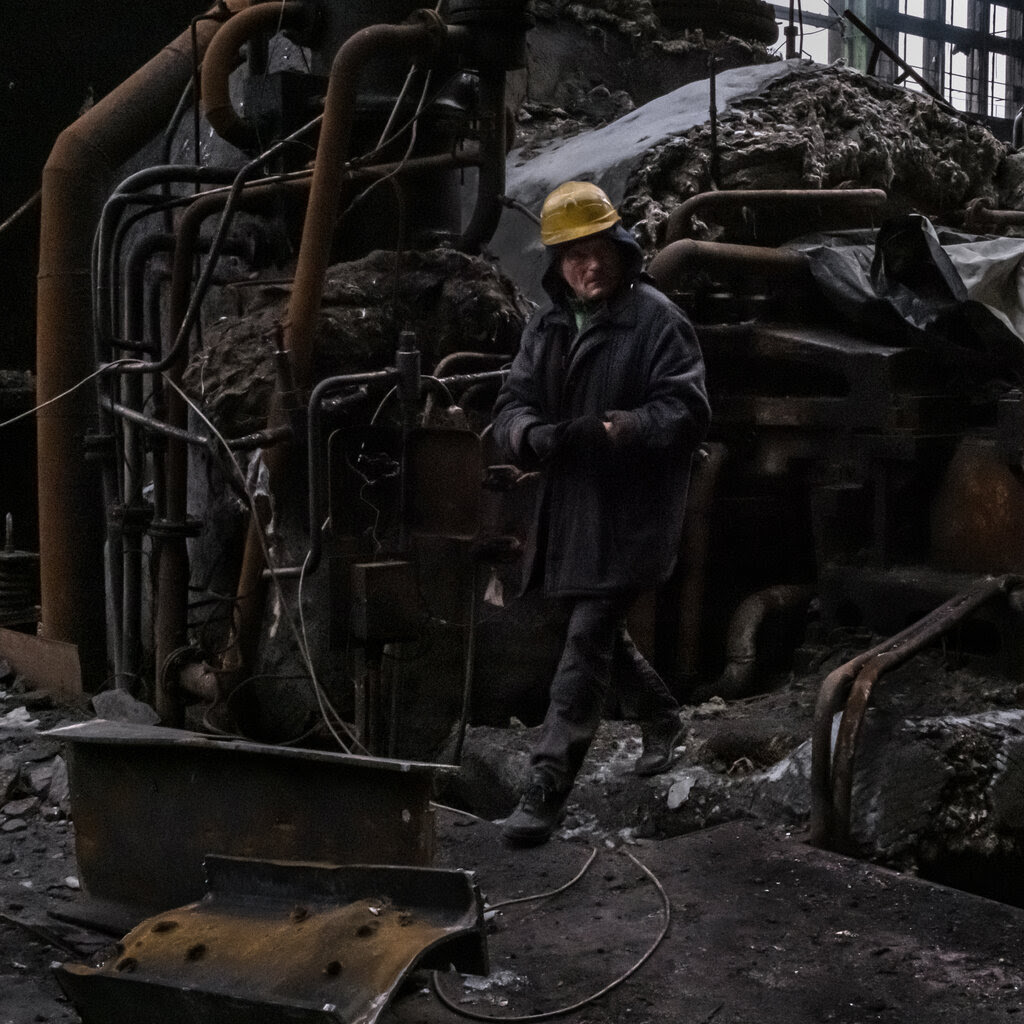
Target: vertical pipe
point(414, 40)
point(77, 178)
point(128, 665)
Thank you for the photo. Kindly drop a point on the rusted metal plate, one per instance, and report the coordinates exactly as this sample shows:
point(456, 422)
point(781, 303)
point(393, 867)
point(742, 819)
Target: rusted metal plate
point(285, 942)
point(149, 803)
point(444, 467)
point(52, 665)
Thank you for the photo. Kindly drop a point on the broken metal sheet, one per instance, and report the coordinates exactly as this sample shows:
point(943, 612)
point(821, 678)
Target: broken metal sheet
point(149, 803)
point(273, 941)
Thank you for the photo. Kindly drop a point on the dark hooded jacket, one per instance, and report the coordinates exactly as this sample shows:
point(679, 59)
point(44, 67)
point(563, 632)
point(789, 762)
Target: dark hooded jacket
point(609, 516)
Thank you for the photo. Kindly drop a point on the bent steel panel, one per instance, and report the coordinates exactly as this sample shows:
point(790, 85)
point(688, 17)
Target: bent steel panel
point(149, 803)
point(298, 942)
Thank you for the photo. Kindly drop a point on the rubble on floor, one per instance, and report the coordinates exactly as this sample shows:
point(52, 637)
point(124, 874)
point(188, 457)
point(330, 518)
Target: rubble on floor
point(936, 776)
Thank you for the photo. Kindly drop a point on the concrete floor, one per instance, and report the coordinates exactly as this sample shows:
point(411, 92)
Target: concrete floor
point(763, 928)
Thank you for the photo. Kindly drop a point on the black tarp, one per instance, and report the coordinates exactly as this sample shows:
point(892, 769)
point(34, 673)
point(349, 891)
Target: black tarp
point(909, 282)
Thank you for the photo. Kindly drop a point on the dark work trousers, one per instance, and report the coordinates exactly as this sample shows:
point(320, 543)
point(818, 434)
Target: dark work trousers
point(597, 655)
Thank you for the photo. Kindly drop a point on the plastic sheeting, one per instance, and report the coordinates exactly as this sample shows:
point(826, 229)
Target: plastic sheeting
point(911, 283)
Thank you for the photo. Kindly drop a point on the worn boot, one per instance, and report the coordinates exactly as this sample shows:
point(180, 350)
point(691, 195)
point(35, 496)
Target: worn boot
point(659, 743)
point(540, 811)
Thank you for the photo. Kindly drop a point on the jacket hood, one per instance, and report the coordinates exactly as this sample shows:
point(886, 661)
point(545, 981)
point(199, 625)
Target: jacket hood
point(632, 262)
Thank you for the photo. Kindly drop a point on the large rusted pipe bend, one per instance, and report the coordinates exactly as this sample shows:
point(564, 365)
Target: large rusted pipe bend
point(222, 56)
point(843, 199)
point(689, 257)
point(740, 671)
point(77, 179)
point(421, 38)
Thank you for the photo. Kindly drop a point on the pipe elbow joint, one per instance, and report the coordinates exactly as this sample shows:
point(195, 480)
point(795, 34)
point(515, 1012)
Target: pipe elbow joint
point(223, 56)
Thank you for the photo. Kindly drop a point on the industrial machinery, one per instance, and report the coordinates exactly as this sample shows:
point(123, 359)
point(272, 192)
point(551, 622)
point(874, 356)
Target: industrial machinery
point(282, 503)
point(343, 131)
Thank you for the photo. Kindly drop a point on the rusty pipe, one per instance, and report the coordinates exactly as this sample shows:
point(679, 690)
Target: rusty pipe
point(678, 225)
point(931, 627)
point(417, 39)
point(172, 563)
point(979, 214)
point(77, 178)
point(689, 257)
point(222, 57)
point(741, 638)
point(836, 689)
point(695, 548)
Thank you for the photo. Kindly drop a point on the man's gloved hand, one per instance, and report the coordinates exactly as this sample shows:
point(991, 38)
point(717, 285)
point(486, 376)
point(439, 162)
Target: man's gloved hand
point(545, 440)
point(584, 437)
point(624, 427)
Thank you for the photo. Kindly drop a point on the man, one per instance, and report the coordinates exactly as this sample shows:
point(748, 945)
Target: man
point(606, 398)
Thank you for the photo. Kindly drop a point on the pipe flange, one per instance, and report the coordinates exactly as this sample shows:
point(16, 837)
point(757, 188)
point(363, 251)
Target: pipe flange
point(168, 529)
point(130, 517)
point(98, 446)
point(429, 17)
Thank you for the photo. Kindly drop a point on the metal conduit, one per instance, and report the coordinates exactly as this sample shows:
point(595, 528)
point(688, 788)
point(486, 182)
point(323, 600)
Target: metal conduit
point(173, 570)
point(491, 177)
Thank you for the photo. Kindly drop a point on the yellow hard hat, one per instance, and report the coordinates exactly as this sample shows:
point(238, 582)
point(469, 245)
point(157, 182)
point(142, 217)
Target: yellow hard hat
point(574, 210)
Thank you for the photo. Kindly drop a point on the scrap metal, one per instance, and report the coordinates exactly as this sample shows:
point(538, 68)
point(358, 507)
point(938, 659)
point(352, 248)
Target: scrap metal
point(301, 943)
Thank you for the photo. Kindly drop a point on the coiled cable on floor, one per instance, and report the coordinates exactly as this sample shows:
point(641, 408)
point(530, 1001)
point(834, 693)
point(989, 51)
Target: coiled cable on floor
point(562, 1011)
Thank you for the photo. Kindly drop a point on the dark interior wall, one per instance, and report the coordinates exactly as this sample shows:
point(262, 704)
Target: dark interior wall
point(54, 55)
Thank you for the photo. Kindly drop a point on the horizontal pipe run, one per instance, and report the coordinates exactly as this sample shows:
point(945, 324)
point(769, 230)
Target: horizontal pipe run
point(678, 226)
point(688, 257)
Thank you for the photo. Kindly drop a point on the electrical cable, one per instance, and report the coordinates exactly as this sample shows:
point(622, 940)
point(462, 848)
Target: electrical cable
point(289, 618)
point(459, 810)
point(322, 700)
point(546, 895)
point(33, 200)
point(63, 394)
point(562, 1011)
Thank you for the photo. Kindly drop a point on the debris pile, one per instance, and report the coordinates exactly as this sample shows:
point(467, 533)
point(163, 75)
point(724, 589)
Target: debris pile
point(33, 775)
point(453, 302)
point(589, 63)
point(824, 127)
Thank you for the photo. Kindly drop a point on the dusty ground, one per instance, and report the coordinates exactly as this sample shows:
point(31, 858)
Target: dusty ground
point(762, 926)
